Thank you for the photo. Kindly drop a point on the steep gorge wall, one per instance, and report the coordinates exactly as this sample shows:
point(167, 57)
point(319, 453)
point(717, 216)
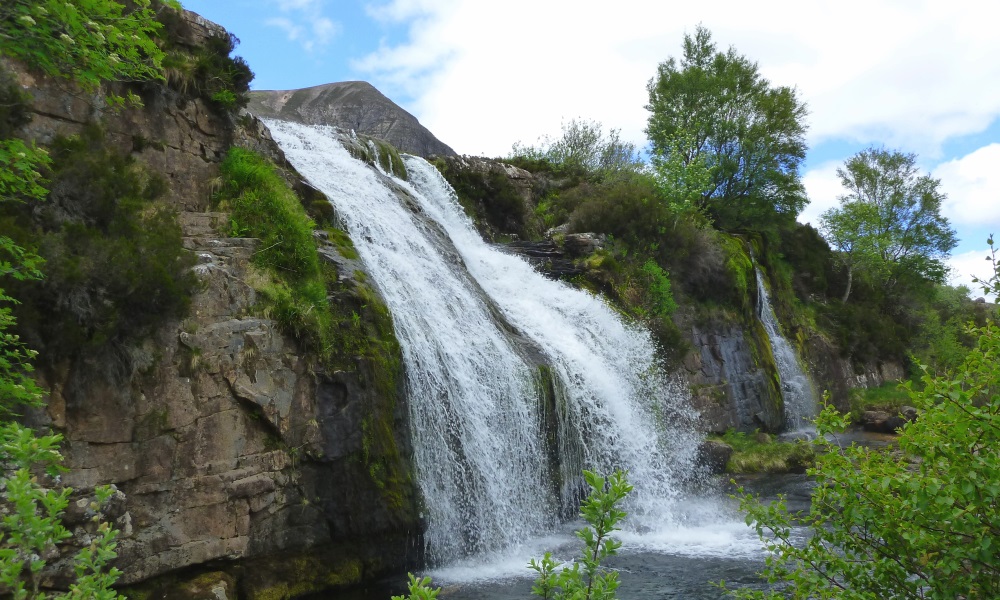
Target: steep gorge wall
point(232, 447)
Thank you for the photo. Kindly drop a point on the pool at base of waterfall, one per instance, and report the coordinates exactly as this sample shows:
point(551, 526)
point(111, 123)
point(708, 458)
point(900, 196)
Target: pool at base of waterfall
point(678, 562)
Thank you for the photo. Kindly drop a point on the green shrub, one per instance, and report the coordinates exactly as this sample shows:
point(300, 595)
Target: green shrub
point(588, 579)
point(88, 42)
point(659, 296)
point(115, 267)
point(628, 208)
point(489, 198)
point(208, 71)
point(32, 531)
point(583, 151)
point(920, 522)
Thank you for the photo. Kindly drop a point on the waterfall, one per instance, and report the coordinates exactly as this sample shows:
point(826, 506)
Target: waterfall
point(796, 389)
point(472, 322)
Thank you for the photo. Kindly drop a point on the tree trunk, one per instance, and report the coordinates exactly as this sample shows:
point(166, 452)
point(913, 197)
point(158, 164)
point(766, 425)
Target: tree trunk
point(850, 280)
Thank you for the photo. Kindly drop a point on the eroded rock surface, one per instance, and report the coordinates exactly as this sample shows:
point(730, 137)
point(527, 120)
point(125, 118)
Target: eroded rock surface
point(350, 105)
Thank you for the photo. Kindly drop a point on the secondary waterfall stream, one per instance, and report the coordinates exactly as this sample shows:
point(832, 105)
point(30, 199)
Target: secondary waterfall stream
point(474, 324)
point(796, 389)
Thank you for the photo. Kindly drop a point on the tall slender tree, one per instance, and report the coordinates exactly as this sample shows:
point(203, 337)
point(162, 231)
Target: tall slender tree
point(889, 223)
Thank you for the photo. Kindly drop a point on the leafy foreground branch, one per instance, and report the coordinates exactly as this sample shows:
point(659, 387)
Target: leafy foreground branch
point(586, 579)
point(32, 530)
point(920, 522)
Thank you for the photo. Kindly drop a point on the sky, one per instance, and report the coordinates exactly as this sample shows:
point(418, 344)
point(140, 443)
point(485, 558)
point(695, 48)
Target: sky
point(910, 75)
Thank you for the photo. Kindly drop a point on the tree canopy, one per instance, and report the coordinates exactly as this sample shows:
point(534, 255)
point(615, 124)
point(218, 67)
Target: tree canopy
point(889, 223)
point(715, 109)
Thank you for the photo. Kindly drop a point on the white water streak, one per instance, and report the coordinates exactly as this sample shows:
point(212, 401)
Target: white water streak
point(796, 389)
point(620, 410)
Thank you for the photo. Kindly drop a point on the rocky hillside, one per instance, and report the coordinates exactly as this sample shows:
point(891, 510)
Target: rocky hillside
point(230, 443)
point(353, 105)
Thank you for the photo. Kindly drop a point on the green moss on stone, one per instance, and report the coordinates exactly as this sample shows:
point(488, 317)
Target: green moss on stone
point(739, 266)
point(379, 153)
point(759, 453)
point(306, 575)
point(340, 239)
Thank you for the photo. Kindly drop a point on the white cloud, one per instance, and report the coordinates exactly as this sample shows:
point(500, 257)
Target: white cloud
point(402, 10)
point(291, 30)
point(972, 183)
point(965, 265)
point(305, 23)
point(823, 188)
point(487, 74)
point(289, 5)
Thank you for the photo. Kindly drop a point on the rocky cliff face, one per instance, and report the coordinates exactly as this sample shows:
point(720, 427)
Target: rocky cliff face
point(351, 105)
point(230, 445)
point(732, 386)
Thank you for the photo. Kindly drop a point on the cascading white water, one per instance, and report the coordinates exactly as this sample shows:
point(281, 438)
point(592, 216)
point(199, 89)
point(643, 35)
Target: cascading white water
point(620, 411)
point(796, 389)
point(477, 422)
point(472, 396)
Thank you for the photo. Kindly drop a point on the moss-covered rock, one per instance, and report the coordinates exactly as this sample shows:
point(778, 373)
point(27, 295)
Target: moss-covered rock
point(300, 575)
point(378, 153)
point(758, 453)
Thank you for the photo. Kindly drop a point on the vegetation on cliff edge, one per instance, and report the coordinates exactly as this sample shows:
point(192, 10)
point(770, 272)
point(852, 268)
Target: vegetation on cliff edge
point(694, 213)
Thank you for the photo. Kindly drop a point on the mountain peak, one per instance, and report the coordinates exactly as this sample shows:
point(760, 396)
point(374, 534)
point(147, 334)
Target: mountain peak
point(356, 105)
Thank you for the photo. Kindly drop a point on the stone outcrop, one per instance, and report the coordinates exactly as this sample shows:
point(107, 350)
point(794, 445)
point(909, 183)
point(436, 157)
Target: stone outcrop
point(887, 420)
point(713, 455)
point(733, 382)
point(499, 198)
point(547, 257)
point(838, 375)
point(231, 446)
point(350, 105)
